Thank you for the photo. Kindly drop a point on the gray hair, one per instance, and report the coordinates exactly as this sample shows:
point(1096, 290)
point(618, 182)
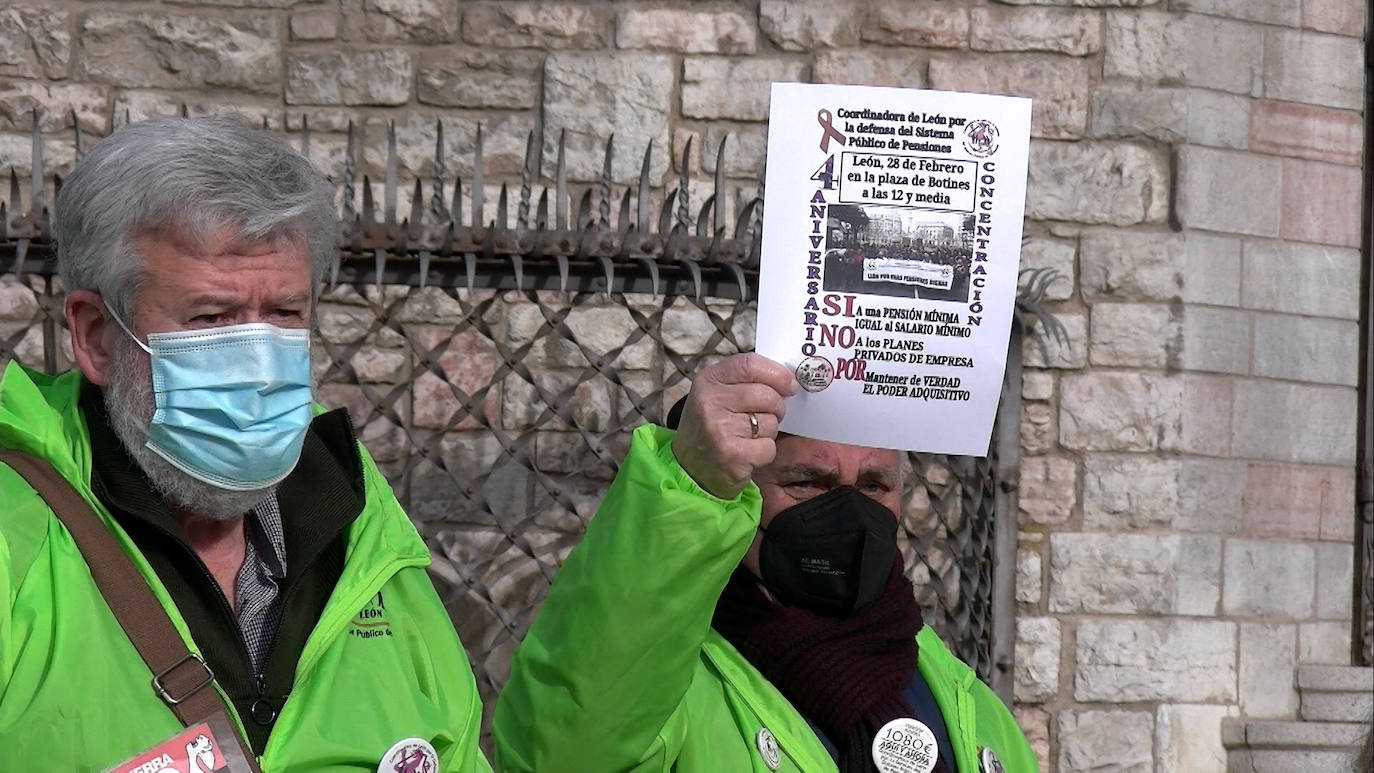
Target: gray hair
point(191, 177)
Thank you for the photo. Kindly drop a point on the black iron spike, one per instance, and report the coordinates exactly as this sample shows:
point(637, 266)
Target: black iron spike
point(417, 206)
point(711, 250)
point(719, 195)
point(560, 189)
point(642, 205)
point(683, 214)
point(623, 222)
point(4, 222)
point(369, 208)
point(562, 272)
point(745, 218)
point(389, 191)
point(478, 194)
point(76, 124)
point(652, 268)
point(702, 220)
point(36, 173)
point(349, 173)
point(424, 268)
point(740, 281)
point(585, 237)
point(305, 135)
point(695, 270)
point(522, 212)
point(16, 199)
point(184, 112)
point(541, 215)
point(584, 210)
point(627, 240)
point(665, 215)
point(501, 216)
point(608, 269)
point(604, 205)
point(674, 241)
point(456, 207)
point(489, 243)
point(436, 199)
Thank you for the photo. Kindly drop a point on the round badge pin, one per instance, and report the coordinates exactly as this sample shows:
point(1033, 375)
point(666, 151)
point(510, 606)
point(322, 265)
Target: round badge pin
point(409, 755)
point(988, 762)
point(815, 373)
point(904, 745)
point(768, 748)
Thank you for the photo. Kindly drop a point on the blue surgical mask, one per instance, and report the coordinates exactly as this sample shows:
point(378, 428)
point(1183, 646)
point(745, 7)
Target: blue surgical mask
point(231, 404)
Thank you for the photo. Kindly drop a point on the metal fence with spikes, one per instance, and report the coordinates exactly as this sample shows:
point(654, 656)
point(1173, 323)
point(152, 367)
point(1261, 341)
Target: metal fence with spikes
point(496, 369)
point(588, 251)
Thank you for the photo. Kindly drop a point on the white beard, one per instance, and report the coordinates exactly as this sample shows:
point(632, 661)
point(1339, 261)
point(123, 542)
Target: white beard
point(130, 404)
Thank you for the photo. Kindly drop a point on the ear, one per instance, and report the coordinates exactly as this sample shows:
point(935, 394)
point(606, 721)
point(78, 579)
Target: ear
point(93, 334)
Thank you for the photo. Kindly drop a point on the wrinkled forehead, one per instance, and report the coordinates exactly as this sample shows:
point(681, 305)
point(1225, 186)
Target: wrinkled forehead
point(210, 235)
point(847, 462)
point(221, 268)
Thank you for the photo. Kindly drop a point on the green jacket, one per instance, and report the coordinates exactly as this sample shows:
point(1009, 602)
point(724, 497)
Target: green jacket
point(75, 695)
point(621, 670)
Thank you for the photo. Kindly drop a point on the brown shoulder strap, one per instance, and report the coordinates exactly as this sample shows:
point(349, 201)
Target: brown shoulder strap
point(180, 677)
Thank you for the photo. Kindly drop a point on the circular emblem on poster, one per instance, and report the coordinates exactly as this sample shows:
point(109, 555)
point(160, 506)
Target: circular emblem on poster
point(768, 748)
point(815, 374)
point(904, 746)
point(980, 138)
point(409, 755)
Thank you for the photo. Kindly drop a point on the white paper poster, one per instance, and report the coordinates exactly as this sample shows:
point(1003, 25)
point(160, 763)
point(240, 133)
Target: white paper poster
point(891, 242)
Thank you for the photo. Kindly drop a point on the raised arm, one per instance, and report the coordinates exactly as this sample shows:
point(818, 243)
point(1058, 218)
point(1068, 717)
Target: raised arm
point(596, 684)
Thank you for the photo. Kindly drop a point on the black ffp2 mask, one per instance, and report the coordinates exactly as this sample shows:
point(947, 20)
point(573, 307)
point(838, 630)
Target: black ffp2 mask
point(831, 554)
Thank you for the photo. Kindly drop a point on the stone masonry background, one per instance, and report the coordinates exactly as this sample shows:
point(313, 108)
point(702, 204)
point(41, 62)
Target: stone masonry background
point(1187, 484)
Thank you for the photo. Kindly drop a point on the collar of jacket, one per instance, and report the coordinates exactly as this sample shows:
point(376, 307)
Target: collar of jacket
point(318, 500)
point(40, 414)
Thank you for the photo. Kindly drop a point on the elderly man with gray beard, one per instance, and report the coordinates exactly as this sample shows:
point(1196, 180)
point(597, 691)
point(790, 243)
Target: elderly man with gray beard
point(289, 576)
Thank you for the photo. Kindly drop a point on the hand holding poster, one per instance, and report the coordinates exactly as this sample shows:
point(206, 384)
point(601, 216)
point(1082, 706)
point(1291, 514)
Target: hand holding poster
point(891, 241)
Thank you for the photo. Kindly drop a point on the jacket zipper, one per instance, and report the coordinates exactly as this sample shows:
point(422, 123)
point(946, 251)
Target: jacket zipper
point(243, 643)
point(259, 676)
point(326, 629)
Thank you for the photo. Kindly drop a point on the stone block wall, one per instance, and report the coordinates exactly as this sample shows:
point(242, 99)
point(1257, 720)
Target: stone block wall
point(1187, 485)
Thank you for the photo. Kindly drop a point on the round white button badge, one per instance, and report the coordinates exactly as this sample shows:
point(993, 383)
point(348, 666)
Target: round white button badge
point(768, 748)
point(409, 755)
point(904, 746)
point(988, 762)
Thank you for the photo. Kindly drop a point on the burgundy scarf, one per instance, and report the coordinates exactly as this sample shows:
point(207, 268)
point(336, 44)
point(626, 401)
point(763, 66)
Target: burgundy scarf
point(845, 674)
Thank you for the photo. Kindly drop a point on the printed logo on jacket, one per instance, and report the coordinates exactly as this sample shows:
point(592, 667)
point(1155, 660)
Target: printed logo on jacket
point(371, 621)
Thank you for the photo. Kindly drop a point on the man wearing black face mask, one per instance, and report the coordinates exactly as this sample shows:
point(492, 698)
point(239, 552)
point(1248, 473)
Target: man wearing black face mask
point(739, 604)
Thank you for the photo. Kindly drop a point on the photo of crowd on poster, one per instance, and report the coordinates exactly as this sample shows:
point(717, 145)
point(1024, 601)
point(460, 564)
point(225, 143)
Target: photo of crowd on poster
point(898, 251)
